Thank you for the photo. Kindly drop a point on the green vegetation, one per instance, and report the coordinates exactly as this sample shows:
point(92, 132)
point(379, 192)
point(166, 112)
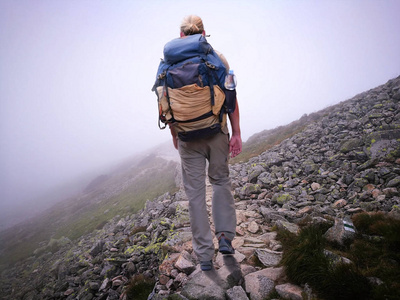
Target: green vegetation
point(76, 217)
point(274, 295)
point(273, 138)
point(270, 138)
point(375, 253)
point(139, 287)
point(128, 202)
point(378, 252)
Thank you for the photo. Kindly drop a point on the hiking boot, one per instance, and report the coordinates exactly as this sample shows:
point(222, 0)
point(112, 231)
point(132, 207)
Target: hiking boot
point(225, 245)
point(206, 265)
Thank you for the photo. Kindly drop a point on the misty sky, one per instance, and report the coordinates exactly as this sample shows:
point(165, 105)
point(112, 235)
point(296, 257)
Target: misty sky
point(76, 75)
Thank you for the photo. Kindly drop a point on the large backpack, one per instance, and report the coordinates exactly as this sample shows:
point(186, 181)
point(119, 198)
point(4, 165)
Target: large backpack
point(190, 88)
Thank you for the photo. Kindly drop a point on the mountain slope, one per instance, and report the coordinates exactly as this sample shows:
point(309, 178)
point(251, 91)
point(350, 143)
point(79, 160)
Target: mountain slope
point(123, 192)
point(343, 161)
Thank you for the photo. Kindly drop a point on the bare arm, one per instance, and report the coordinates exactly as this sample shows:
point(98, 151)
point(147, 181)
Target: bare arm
point(174, 136)
point(235, 144)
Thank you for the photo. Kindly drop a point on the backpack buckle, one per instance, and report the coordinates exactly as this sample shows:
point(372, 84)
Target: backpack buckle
point(211, 66)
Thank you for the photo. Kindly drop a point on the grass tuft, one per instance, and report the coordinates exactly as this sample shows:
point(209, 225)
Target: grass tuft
point(303, 256)
point(374, 253)
point(139, 287)
point(344, 281)
point(364, 221)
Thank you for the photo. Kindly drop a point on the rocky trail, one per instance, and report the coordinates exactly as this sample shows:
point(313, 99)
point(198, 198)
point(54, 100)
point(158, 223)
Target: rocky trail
point(345, 163)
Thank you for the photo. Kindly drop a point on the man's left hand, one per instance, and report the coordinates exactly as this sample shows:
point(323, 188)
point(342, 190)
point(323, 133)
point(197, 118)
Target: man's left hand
point(235, 145)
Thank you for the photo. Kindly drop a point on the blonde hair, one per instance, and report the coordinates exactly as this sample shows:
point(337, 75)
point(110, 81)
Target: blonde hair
point(192, 25)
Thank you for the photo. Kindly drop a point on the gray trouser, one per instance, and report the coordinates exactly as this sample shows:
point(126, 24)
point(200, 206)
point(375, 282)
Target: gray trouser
point(193, 159)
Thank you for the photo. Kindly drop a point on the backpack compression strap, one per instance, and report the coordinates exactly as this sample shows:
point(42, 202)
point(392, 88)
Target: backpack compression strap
point(210, 71)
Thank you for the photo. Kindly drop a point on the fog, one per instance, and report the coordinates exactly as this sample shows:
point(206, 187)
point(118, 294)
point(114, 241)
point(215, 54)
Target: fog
point(76, 76)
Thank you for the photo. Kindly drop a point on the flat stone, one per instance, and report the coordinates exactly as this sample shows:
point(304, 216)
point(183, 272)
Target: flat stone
point(95, 286)
point(247, 269)
point(305, 210)
point(340, 203)
point(355, 210)
point(236, 293)
point(261, 283)
point(394, 182)
point(254, 245)
point(268, 258)
point(315, 186)
point(287, 226)
point(222, 260)
point(69, 292)
point(97, 248)
point(204, 285)
point(253, 227)
point(247, 251)
point(184, 263)
point(237, 242)
point(268, 237)
point(105, 284)
point(163, 279)
point(240, 217)
point(231, 275)
point(252, 214)
point(289, 291)
point(253, 240)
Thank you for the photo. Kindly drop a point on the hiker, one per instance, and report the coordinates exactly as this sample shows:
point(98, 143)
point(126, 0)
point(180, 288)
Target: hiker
point(198, 148)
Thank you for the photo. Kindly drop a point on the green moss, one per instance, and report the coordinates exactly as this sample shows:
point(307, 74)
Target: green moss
point(160, 239)
point(284, 198)
point(130, 250)
point(69, 255)
point(152, 248)
point(164, 223)
point(182, 215)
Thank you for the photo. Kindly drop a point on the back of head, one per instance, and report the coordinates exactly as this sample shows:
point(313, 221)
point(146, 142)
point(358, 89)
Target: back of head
point(192, 25)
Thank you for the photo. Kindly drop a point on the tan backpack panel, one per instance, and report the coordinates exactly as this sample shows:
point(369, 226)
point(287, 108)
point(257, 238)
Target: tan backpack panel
point(189, 102)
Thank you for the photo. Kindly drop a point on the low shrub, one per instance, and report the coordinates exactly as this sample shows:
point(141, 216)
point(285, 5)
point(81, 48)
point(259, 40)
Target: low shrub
point(305, 262)
point(374, 256)
point(139, 287)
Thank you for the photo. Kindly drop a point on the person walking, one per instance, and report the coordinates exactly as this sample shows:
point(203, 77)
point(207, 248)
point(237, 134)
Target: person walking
point(194, 155)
